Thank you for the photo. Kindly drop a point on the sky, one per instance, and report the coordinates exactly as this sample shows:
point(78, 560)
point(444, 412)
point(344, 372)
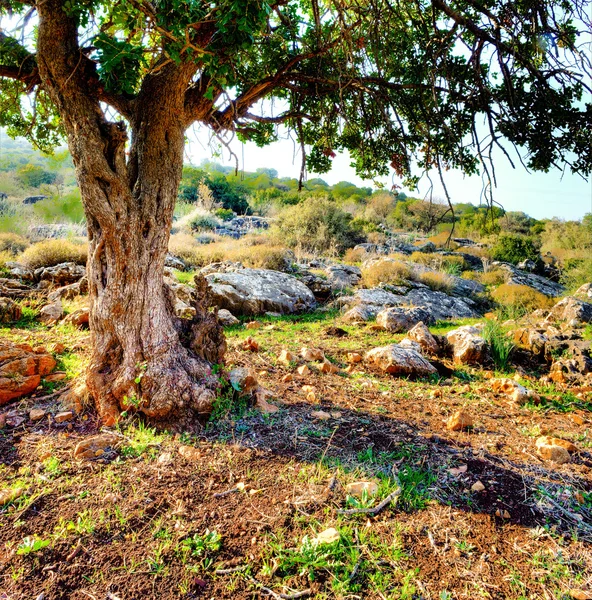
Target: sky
point(541, 195)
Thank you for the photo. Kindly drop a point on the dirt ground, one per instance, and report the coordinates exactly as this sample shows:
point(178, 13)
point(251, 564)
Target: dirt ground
point(234, 509)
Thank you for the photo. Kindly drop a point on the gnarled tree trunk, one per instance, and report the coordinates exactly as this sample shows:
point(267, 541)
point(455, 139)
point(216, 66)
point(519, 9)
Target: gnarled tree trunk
point(143, 356)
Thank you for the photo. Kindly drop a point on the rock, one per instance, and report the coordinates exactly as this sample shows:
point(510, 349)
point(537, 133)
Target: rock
point(398, 319)
point(183, 311)
point(458, 421)
point(321, 415)
point(311, 354)
point(421, 334)
point(94, 446)
point(438, 305)
point(36, 414)
point(572, 311)
point(250, 345)
point(68, 292)
point(329, 367)
point(556, 454)
point(58, 348)
point(343, 276)
point(354, 357)
point(62, 274)
point(174, 262)
point(303, 370)
point(584, 292)
point(468, 346)
point(319, 286)
point(253, 325)
point(190, 453)
point(329, 536)
point(286, 357)
point(242, 379)
point(580, 594)
point(548, 440)
point(516, 392)
point(358, 488)
point(226, 318)
point(257, 291)
point(478, 486)
point(10, 311)
point(21, 369)
point(537, 282)
point(400, 361)
point(79, 318)
point(50, 314)
point(64, 416)
point(359, 314)
point(288, 378)
point(10, 495)
point(261, 403)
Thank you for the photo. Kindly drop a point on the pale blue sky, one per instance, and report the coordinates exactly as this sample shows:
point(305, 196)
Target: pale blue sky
point(541, 195)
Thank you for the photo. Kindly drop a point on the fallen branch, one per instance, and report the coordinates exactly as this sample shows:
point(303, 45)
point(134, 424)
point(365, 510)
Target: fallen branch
point(372, 511)
point(280, 596)
point(229, 571)
point(222, 494)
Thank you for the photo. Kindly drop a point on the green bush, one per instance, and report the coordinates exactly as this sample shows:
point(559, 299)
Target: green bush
point(515, 248)
point(53, 252)
point(318, 226)
point(224, 213)
point(500, 344)
point(203, 223)
point(66, 208)
point(576, 272)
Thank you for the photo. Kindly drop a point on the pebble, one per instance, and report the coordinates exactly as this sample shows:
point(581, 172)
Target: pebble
point(67, 415)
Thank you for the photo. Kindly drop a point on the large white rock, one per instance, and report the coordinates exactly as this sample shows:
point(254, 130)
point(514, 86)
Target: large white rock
point(399, 360)
point(257, 291)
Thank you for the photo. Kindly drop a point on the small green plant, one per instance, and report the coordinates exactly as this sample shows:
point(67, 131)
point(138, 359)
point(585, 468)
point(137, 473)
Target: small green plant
point(202, 545)
point(500, 344)
point(31, 544)
point(52, 466)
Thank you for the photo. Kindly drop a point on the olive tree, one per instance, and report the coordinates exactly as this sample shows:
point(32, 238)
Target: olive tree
point(403, 85)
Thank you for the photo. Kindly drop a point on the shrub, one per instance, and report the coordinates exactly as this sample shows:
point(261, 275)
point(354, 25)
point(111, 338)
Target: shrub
point(439, 282)
point(225, 214)
point(203, 223)
point(5, 256)
point(12, 243)
point(355, 255)
point(318, 226)
point(514, 248)
point(66, 208)
point(576, 273)
point(385, 271)
point(493, 277)
point(441, 240)
point(518, 300)
point(451, 264)
point(53, 252)
point(500, 344)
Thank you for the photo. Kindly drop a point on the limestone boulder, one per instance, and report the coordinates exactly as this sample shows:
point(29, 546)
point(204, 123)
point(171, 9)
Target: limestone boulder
point(257, 291)
point(421, 334)
point(10, 311)
point(541, 284)
point(21, 369)
point(62, 274)
point(571, 310)
point(343, 276)
point(68, 292)
point(226, 318)
point(399, 318)
point(399, 360)
point(468, 347)
point(50, 314)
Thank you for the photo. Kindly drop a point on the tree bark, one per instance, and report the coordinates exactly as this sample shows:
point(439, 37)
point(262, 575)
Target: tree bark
point(143, 357)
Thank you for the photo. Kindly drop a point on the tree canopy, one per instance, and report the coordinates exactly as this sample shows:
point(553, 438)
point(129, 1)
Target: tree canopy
point(407, 85)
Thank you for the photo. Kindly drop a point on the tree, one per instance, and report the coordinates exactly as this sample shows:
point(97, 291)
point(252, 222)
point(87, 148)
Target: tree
point(397, 83)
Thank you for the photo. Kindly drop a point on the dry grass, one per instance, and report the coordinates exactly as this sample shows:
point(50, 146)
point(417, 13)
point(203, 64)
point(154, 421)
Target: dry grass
point(439, 261)
point(354, 256)
point(256, 251)
point(439, 282)
point(513, 296)
point(441, 239)
point(493, 277)
point(53, 252)
point(385, 271)
point(12, 242)
point(5, 256)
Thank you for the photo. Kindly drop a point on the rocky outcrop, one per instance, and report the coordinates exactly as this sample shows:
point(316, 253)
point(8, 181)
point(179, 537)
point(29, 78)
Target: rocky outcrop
point(399, 360)
point(68, 292)
point(257, 291)
point(427, 342)
point(21, 369)
point(343, 276)
point(468, 347)
point(79, 318)
point(584, 292)
point(572, 311)
point(62, 274)
point(537, 282)
point(10, 311)
point(320, 286)
point(438, 305)
point(397, 319)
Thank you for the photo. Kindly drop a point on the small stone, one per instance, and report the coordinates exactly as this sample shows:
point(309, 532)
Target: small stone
point(547, 440)
point(312, 397)
point(253, 325)
point(226, 318)
point(354, 357)
point(477, 486)
point(190, 453)
point(7, 496)
point(58, 348)
point(36, 414)
point(577, 419)
point(67, 415)
point(358, 488)
point(242, 380)
point(336, 414)
point(321, 415)
point(503, 514)
point(286, 357)
point(556, 454)
point(329, 367)
point(310, 354)
point(53, 377)
point(250, 345)
point(110, 498)
point(287, 378)
point(303, 370)
point(458, 421)
point(89, 447)
point(580, 594)
point(328, 536)
point(308, 388)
